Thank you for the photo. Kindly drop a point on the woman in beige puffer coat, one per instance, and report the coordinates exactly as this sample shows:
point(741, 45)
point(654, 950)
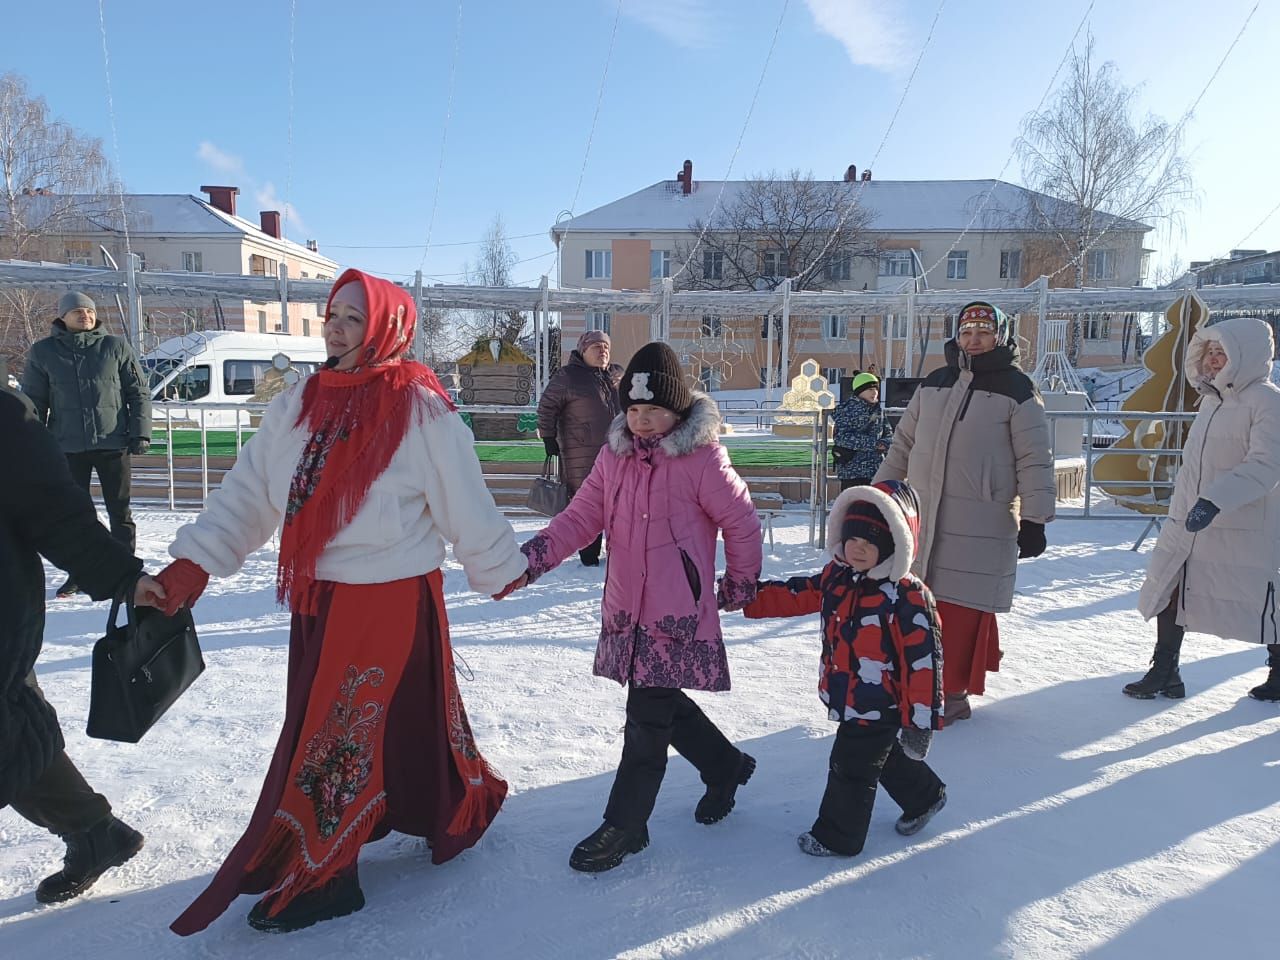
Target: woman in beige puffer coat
point(974, 442)
point(1214, 567)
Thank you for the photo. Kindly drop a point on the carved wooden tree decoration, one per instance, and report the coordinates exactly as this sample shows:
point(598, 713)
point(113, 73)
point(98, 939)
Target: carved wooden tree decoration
point(1128, 478)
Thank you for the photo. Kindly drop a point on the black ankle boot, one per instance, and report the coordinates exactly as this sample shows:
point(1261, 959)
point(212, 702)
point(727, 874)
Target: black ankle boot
point(337, 898)
point(90, 854)
point(607, 847)
point(1163, 677)
point(1270, 691)
point(719, 798)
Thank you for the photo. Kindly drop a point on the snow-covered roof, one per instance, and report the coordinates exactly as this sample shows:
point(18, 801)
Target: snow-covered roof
point(898, 206)
point(160, 214)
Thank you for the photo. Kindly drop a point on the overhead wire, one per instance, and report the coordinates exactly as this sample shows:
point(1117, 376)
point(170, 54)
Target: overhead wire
point(444, 134)
point(1014, 152)
point(1170, 138)
point(755, 96)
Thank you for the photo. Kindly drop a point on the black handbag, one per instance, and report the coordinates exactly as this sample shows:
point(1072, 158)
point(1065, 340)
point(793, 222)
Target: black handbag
point(139, 670)
point(548, 494)
point(842, 455)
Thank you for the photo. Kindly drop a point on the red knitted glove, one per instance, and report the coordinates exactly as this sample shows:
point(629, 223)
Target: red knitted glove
point(183, 582)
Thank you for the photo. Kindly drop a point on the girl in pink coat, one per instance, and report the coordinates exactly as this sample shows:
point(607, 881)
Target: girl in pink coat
point(661, 489)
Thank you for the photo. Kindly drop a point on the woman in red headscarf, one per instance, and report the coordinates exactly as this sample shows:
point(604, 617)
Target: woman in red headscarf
point(369, 469)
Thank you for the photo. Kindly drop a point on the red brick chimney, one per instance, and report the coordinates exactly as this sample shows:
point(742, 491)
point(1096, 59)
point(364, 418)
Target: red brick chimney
point(851, 174)
point(685, 178)
point(271, 223)
point(224, 198)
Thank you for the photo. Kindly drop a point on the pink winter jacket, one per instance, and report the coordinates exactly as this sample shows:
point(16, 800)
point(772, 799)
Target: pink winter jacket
point(660, 509)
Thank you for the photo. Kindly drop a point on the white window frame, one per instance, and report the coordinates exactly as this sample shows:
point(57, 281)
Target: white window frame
point(709, 379)
point(193, 261)
point(262, 321)
point(958, 265)
point(1102, 264)
point(659, 264)
point(712, 326)
point(775, 263)
point(833, 375)
point(895, 263)
point(835, 326)
point(599, 265)
point(840, 266)
point(1010, 264)
point(600, 320)
point(712, 265)
point(899, 327)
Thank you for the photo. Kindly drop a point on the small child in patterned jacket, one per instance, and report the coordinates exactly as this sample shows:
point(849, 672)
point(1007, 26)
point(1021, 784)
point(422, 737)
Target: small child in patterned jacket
point(881, 665)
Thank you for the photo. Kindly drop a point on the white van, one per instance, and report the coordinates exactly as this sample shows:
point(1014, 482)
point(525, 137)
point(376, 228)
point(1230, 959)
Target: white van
point(220, 367)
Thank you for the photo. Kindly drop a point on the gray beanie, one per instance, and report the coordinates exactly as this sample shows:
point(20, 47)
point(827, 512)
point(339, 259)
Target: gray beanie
point(71, 301)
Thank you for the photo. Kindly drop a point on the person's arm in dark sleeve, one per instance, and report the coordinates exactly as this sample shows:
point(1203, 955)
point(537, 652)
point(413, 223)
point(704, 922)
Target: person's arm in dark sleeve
point(50, 512)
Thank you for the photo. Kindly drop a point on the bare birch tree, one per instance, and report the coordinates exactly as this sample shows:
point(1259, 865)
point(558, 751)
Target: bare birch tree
point(492, 268)
point(51, 180)
point(1101, 171)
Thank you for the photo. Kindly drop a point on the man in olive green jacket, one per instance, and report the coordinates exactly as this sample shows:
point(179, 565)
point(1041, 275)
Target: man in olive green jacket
point(88, 389)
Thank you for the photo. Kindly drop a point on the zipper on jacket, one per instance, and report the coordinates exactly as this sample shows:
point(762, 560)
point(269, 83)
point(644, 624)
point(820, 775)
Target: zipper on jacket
point(1269, 608)
point(964, 407)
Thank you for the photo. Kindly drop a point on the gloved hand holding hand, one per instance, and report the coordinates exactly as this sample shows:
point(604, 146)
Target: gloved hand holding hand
point(551, 446)
point(512, 587)
point(139, 446)
point(1031, 541)
point(734, 593)
point(1200, 516)
point(148, 592)
point(915, 742)
point(182, 582)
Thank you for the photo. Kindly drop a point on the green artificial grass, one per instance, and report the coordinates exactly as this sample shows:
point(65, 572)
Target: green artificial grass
point(222, 443)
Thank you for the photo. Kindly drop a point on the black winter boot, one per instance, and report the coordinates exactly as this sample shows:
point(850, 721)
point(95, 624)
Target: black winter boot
point(90, 854)
point(719, 798)
point(337, 898)
point(1163, 677)
point(1270, 691)
point(606, 848)
point(69, 588)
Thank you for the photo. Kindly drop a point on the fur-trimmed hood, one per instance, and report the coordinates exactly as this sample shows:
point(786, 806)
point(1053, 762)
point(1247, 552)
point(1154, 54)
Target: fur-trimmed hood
point(1249, 346)
point(897, 501)
point(700, 428)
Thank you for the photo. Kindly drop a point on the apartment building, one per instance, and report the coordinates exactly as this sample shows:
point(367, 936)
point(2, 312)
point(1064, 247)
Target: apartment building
point(931, 234)
point(181, 232)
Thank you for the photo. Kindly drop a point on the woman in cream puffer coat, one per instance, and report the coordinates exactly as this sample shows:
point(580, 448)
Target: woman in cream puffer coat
point(1214, 567)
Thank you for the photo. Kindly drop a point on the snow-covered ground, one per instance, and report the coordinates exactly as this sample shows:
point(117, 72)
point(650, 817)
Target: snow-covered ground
point(1080, 823)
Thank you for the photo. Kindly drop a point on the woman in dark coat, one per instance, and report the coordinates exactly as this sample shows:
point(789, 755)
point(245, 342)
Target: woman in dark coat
point(574, 414)
point(43, 511)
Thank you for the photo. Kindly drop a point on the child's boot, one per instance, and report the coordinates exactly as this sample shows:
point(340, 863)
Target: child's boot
point(1270, 690)
point(718, 801)
point(607, 847)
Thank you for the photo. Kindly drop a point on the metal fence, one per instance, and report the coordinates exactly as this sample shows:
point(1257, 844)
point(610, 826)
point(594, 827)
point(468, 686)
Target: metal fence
point(215, 433)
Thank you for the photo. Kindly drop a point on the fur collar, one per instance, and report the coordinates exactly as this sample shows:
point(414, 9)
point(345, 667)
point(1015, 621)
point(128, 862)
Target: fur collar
point(700, 428)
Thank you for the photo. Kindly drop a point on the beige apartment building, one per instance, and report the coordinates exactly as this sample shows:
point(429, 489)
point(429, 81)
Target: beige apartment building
point(957, 234)
point(183, 232)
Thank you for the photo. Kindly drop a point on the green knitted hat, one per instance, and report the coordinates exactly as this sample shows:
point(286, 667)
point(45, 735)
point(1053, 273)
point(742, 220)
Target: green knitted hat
point(862, 381)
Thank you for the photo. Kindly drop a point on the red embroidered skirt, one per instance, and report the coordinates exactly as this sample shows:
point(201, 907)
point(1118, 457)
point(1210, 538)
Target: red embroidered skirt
point(375, 739)
point(970, 647)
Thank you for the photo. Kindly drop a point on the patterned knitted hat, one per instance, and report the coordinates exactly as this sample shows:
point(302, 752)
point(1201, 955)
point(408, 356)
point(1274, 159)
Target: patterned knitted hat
point(654, 377)
point(864, 519)
point(984, 316)
point(590, 337)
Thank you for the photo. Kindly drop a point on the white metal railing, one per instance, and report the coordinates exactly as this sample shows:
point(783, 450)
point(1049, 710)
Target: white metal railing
point(241, 418)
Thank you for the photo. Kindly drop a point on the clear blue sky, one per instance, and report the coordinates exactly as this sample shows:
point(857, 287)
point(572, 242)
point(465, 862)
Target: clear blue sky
point(201, 95)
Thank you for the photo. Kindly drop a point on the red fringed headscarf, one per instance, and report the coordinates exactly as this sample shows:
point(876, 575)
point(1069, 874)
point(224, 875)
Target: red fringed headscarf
point(357, 420)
